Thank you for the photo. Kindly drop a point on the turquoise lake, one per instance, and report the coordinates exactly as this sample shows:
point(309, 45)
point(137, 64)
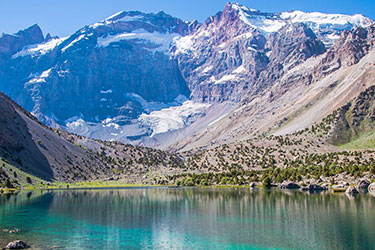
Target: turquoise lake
point(188, 218)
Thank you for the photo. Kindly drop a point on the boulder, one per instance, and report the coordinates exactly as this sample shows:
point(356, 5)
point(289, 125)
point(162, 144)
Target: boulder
point(17, 244)
point(253, 185)
point(363, 184)
point(371, 188)
point(352, 190)
point(289, 185)
point(313, 187)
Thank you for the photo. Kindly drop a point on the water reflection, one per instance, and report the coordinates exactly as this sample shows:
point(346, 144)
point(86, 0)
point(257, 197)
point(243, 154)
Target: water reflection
point(190, 219)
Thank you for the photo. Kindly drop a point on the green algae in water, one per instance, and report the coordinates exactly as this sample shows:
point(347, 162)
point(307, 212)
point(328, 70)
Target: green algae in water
point(191, 218)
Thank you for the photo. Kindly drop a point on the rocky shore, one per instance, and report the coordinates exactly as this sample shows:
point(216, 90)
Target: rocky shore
point(362, 186)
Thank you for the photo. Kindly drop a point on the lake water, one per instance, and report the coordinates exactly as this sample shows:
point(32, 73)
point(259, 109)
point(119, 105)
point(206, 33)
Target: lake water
point(191, 218)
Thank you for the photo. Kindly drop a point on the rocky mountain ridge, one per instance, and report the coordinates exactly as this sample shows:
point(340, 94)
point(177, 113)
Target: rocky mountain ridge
point(152, 79)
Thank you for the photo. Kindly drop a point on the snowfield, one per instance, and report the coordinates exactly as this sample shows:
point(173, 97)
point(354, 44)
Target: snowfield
point(173, 118)
point(162, 41)
point(328, 26)
point(161, 119)
point(39, 49)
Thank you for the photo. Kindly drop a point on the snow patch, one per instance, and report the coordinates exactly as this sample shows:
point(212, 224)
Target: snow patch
point(239, 70)
point(328, 26)
point(173, 118)
point(183, 44)
point(39, 49)
point(151, 106)
point(207, 69)
point(260, 22)
point(78, 126)
point(129, 18)
point(108, 91)
point(224, 79)
point(40, 78)
point(161, 40)
point(118, 17)
point(79, 38)
point(321, 18)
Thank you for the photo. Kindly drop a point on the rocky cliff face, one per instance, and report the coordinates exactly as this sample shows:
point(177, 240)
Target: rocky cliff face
point(303, 83)
point(129, 77)
point(239, 49)
point(92, 73)
point(98, 81)
point(10, 44)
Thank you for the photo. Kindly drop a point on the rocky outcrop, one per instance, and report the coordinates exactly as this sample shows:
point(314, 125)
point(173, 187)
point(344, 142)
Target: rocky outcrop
point(348, 50)
point(352, 190)
point(371, 188)
point(363, 184)
point(313, 187)
point(17, 244)
point(289, 185)
point(11, 44)
point(354, 119)
point(253, 185)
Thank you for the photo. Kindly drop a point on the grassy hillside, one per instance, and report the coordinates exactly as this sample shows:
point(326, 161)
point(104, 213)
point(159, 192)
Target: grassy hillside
point(353, 125)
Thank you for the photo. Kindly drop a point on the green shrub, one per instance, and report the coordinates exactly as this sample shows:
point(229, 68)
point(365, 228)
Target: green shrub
point(7, 184)
point(267, 182)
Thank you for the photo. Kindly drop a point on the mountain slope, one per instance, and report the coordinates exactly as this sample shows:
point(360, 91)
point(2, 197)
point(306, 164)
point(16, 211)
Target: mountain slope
point(155, 80)
point(302, 96)
point(104, 70)
point(54, 155)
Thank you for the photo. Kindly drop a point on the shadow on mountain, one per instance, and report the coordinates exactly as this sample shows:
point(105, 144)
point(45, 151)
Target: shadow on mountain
point(18, 144)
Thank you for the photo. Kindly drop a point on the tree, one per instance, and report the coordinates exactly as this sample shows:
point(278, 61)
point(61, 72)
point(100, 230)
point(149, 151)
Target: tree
point(267, 182)
point(7, 184)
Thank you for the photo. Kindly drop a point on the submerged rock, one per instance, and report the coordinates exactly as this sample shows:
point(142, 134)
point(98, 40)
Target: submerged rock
point(352, 190)
point(17, 244)
point(289, 185)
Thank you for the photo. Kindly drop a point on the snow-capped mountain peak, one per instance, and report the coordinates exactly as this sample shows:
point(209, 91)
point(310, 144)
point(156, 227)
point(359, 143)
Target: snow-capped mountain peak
point(138, 77)
point(327, 27)
point(240, 7)
point(321, 18)
point(125, 16)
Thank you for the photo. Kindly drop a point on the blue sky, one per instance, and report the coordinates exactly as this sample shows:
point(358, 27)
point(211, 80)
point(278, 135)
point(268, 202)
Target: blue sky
point(63, 17)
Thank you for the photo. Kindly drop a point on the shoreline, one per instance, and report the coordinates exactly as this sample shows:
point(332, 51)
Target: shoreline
point(103, 185)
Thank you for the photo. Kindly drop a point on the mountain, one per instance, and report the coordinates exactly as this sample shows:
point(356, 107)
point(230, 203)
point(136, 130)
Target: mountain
point(29, 148)
point(302, 83)
point(155, 80)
